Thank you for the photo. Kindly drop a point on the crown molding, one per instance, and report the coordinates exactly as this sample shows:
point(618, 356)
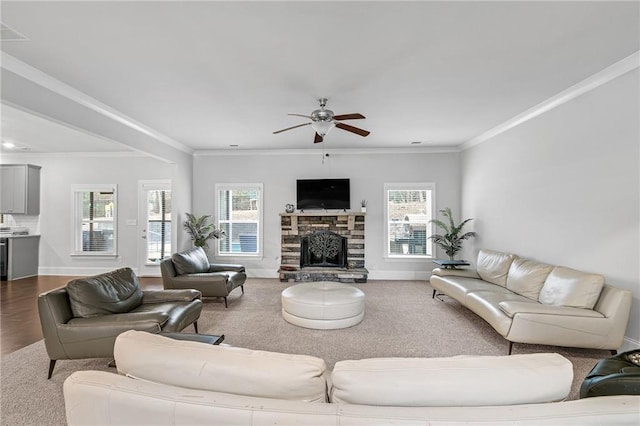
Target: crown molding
point(43, 79)
point(335, 151)
point(4, 155)
point(612, 72)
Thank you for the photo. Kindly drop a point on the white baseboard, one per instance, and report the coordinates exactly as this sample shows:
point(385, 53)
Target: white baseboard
point(629, 344)
point(78, 271)
point(262, 273)
point(400, 275)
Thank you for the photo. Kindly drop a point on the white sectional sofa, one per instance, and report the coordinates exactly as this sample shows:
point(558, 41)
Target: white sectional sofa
point(168, 382)
point(532, 302)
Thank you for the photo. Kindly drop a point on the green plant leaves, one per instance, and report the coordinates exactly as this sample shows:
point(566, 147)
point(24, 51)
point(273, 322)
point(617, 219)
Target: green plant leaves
point(201, 230)
point(451, 241)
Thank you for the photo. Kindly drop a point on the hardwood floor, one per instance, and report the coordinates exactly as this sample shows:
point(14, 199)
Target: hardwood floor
point(19, 320)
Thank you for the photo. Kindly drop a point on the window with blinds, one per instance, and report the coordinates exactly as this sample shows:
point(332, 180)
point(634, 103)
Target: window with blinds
point(408, 210)
point(239, 215)
point(95, 219)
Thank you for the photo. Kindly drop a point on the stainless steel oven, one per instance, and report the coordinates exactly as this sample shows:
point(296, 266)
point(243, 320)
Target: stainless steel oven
point(4, 258)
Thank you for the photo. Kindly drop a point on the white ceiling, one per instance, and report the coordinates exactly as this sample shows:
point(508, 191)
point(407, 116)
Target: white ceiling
point(212, 74)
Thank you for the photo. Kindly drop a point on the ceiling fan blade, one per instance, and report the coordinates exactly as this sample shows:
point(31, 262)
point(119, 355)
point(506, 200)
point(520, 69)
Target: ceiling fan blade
point(352, 129)
point(317, 138)
point(289, 128)
point(301, 115)
point(354, 116)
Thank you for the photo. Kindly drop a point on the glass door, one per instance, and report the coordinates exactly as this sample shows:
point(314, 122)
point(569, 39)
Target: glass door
point(155, 226)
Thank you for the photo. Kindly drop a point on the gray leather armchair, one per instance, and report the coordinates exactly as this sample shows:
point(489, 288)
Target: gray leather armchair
point(83, 319)
point(191, 269)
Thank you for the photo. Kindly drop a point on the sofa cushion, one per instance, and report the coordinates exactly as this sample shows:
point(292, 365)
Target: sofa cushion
point(455, 381)
point(493, 266)
point(115, 292)
point(569, 287)
point(192, 261)
point(225, 369)
point(526, 277)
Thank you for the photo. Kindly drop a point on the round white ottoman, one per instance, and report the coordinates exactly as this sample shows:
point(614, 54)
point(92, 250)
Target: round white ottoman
point(323, 305)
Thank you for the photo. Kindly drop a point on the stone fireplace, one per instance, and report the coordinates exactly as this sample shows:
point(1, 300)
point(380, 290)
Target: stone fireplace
point(322, 246)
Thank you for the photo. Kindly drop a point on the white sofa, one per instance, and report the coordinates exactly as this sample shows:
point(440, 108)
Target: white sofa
point(170, 382)
point(532, 302)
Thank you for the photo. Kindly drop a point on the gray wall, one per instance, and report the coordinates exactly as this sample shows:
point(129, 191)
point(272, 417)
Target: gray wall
point(564, 189)
point(55, 220)
point(368, 173)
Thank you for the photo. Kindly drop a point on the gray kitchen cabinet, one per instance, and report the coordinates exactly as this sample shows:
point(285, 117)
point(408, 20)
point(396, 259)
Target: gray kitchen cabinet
point(20, 189)
point(20, 256)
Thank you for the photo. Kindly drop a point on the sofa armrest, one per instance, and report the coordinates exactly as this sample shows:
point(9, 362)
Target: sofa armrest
point(511, 308)
point(161, 296)
point(219, 267)
point(467, 273)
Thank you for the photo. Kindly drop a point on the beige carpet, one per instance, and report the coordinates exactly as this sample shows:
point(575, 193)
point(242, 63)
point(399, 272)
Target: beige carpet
point(401, 319)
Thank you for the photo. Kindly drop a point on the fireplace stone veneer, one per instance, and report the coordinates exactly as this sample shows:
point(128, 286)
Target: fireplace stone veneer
point(349, 225)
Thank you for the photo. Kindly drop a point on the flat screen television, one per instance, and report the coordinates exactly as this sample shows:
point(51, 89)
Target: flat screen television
point(323, 194)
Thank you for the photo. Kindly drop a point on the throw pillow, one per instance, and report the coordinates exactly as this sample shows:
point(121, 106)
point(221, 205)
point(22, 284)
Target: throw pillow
point(568, 287)
point(194, 261)
point(493, 266)
point(526, 277)
point(115, 292)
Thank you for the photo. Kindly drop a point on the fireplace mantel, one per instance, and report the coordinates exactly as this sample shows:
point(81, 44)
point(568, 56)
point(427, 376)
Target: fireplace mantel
point(351, 219)
point(347, 224)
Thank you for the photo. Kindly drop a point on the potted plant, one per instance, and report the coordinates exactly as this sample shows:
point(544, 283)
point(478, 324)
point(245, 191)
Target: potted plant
point(201, 230)
point(363, 206)
point(451, 241)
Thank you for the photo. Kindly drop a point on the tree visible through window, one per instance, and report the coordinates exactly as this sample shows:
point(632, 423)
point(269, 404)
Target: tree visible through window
point(239, 216)
point(409, 208)
point(95, 220)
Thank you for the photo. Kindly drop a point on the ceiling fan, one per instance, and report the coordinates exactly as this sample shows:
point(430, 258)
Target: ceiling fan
point(323, 120)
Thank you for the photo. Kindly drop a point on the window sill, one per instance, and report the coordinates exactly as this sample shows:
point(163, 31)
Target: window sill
point(408, 258)
point(240, 255)
point(95, 255)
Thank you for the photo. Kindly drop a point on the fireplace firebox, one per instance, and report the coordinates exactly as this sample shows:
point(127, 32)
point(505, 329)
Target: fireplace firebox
point(323, 248)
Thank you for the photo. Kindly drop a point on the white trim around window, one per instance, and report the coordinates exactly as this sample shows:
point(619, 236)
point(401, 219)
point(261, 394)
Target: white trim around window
point(407, 227)
point(94, 220)
point(239, 212)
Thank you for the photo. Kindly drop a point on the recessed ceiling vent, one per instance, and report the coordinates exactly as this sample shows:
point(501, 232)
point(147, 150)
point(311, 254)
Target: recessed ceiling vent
point(9, 34)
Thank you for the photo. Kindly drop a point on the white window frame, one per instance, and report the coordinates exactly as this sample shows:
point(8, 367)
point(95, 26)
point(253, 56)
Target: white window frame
point(234, 187)
point(76, 226)
point(411, 186)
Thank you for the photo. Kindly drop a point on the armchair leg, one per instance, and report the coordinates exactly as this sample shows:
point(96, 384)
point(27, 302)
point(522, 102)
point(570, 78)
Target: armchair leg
point(242, 288)
point(225, 303)
point(510, 347)
point(52, 364)
point(195, 326)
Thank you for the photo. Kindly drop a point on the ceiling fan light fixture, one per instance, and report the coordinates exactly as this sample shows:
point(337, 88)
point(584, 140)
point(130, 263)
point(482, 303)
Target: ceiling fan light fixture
point(323, 127)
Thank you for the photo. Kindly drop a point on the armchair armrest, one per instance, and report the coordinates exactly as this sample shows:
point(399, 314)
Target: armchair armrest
point(218, 267)
point(467, 273)
point(160, 296)
point(104, 326)
point(512, 308)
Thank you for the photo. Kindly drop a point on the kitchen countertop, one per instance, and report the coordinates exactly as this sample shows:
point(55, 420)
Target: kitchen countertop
point(19, 236)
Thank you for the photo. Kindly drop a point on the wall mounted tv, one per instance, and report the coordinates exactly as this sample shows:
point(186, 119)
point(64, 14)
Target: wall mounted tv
point(323, 194)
